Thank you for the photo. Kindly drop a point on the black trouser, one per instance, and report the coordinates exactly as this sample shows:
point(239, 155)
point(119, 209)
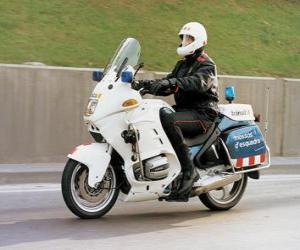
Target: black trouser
point(178, 125)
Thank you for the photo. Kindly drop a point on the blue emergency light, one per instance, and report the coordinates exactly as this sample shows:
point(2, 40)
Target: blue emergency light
point(97, 75)
point(126, 76)
point(229, 94)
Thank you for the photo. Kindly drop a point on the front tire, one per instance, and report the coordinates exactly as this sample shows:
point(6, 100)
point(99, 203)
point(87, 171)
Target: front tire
point(230, 196)
point(80, 198)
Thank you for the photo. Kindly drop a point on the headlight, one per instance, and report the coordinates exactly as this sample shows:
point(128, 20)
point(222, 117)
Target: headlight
point(91, 107)
point(93, 101)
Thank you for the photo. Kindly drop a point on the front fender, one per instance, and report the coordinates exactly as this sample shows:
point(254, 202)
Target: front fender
point(95, 157)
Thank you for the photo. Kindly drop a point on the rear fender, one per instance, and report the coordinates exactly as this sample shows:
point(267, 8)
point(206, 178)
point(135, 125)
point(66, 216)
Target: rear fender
point(96, 157)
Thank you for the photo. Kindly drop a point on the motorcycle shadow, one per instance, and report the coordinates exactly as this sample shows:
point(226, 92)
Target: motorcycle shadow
point(118, 223)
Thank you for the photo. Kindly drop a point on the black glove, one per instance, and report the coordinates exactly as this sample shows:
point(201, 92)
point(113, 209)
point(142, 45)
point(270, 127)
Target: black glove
point(159, 87)
point(137, 85)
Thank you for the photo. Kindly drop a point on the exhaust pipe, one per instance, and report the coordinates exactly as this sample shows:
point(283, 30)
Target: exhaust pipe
point(209, 183)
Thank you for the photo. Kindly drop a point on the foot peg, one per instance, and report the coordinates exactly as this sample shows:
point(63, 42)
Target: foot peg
point(173, 198)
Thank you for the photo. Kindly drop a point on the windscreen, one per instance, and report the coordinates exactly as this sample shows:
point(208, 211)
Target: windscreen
point(128, 53)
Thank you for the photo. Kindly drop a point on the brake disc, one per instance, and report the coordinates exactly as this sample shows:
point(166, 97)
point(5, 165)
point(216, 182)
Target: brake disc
point(93, 195)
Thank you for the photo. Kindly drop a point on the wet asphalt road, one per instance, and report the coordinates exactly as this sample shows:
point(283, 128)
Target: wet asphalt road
point(34, 216)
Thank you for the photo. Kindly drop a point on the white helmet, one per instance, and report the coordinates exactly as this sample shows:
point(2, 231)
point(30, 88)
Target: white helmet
point(195, 30)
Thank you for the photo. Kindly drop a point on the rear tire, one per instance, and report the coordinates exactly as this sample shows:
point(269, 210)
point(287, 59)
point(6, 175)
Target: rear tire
point(235, 194)
point(81, 199)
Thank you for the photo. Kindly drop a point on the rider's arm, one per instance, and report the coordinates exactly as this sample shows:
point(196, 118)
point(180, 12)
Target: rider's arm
point(200, 81)
point(162, 87)
point(172, 73)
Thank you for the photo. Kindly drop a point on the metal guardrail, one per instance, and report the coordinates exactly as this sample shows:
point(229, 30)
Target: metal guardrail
point(264, 166)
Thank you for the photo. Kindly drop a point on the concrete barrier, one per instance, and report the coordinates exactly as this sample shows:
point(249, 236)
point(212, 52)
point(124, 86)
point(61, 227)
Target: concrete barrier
point(291, 118)
point(41, 112)
point(42, 108)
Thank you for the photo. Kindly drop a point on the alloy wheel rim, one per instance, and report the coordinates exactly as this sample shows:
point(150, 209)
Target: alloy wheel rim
point(228, 193)
point(92, 199)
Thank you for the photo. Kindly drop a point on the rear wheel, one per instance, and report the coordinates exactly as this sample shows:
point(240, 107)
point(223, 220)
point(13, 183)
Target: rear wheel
point(84, 201)
point(226, 197)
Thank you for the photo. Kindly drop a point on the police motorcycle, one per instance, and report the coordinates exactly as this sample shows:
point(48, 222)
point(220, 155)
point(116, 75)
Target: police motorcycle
point(132, 158)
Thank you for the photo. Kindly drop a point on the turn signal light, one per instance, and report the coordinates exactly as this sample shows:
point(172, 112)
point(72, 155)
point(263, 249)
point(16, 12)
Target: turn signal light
point(129, 103)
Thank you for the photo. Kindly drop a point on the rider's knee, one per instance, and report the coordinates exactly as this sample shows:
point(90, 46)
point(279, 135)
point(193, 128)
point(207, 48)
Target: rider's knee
point(167, 118)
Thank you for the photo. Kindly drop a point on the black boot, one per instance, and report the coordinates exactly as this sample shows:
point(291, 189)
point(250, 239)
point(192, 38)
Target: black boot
point(190, 174)
point(189, 177)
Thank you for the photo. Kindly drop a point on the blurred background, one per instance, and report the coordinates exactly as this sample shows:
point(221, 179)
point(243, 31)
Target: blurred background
point(254, 37)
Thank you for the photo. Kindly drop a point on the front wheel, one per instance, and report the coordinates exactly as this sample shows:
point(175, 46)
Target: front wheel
point(226, 197)
point(84, 201)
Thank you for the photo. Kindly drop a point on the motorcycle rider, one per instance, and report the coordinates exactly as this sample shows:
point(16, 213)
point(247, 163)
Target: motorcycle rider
point(193, 81)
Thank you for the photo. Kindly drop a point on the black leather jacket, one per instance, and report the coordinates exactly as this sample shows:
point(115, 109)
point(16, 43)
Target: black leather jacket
point(196, 84)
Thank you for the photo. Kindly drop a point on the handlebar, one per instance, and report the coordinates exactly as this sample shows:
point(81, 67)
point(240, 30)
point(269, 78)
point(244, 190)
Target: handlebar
point(141, 65)
point(143, 91)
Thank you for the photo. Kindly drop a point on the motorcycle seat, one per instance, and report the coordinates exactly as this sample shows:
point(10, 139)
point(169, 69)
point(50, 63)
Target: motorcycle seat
point(201, 138)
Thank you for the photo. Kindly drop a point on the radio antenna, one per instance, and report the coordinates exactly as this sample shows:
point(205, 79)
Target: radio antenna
point(267, 112)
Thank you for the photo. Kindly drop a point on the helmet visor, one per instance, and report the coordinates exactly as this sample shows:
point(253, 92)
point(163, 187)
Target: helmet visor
point(186, 40)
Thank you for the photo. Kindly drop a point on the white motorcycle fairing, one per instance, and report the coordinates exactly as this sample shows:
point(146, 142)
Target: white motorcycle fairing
point(113, 107)
point(153, 141)
point(96, 157)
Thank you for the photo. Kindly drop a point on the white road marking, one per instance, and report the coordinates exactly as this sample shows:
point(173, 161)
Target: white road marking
point(30, 187)
point(280, 177)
